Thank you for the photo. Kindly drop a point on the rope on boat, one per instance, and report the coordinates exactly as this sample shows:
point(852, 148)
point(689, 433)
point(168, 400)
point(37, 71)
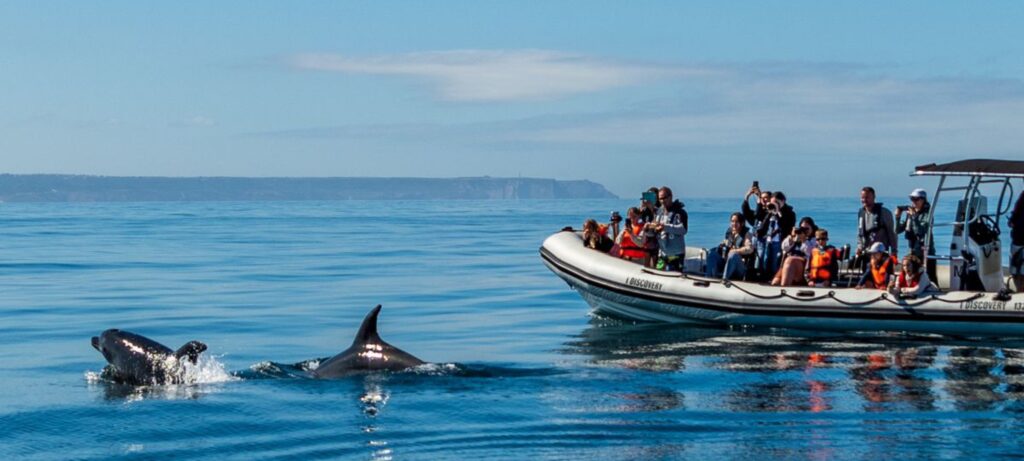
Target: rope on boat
point(906, 302)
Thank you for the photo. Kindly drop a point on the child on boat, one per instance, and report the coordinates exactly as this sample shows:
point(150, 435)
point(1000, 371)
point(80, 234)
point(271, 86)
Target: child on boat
point(881, 268)
point(913, 279)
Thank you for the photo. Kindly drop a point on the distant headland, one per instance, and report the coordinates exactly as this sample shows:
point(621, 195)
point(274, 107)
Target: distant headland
point(79, 188)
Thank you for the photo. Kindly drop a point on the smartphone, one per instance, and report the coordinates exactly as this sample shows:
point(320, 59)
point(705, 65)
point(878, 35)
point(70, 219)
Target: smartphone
point(650, 197)
point(755, 186)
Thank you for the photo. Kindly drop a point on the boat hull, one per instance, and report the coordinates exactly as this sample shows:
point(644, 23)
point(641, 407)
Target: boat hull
point(623, 289)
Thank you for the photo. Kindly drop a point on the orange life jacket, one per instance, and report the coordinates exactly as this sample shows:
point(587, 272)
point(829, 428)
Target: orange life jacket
point(627, 247)
point(821, 263)
point(880, 274)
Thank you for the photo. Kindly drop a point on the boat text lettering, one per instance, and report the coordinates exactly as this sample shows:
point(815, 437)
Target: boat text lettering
point(983, 306)
point(642, 283)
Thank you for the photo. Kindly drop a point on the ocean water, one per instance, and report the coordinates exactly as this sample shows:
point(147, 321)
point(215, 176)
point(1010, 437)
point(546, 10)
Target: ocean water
point(520, 369)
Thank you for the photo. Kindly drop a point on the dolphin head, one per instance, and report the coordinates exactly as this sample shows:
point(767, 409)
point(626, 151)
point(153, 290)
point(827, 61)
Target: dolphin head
point(137, 359)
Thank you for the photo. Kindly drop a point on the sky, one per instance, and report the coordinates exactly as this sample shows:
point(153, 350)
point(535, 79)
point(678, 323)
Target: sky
point(813, 98)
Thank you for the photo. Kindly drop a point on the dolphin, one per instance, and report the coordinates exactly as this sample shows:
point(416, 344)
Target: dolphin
point(367, 353)
point(138, 360)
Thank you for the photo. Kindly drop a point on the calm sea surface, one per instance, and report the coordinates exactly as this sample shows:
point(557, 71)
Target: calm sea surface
point(523, 371)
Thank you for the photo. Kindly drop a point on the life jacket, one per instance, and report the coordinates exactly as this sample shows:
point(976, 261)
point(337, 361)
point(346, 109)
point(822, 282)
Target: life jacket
point(821, 263)
point(628, 248)
point(909, 283)
point(880, 273)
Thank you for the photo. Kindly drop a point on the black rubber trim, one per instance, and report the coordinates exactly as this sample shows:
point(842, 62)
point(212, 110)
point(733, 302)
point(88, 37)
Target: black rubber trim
point(772, 310)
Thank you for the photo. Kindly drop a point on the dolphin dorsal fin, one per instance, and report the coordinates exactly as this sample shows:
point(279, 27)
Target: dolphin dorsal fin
point(191, 350)
point(368, 330)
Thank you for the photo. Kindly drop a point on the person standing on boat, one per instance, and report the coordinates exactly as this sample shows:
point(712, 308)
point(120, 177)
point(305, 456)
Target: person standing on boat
point(874, 225)
point(778, 223)
point(754, 218)
point(1017, 244)
point(916, 227)
point(670, 224)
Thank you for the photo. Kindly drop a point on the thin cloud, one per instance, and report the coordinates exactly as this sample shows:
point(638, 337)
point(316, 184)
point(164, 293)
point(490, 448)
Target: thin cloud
point(482, 75)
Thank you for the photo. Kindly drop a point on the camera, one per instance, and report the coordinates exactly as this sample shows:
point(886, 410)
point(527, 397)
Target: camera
point(903, 208)
point(771, 207)
point(616, 217)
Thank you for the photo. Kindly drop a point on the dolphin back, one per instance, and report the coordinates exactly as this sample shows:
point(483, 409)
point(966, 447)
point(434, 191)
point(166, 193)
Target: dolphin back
point(368, 352)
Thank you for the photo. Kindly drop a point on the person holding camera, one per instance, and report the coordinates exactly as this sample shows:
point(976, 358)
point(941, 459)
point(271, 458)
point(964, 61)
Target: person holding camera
point(595, 236)
point(613, 224)
point(754, 217)
point(727, 260)
point(874, 225)
point(778, 223)
point(631, 240)
point(916, 227)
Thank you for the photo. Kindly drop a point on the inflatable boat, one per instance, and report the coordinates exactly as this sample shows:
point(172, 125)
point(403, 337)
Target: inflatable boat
point(971, 299)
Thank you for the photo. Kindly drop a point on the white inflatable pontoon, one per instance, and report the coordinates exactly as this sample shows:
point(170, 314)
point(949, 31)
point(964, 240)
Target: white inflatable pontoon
point(625, 289)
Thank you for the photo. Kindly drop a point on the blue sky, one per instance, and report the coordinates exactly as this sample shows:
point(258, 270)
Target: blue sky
point(814, 98)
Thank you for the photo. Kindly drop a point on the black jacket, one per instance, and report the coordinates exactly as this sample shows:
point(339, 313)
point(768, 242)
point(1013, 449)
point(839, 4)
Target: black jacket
point(787, 221)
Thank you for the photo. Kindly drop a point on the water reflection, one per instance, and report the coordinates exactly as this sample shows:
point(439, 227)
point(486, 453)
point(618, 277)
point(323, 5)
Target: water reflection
point(776, 371)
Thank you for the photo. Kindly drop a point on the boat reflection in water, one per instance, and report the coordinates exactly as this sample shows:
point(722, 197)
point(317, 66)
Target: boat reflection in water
point(718, 369)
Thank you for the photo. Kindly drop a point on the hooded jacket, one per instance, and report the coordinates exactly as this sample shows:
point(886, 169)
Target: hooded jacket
point(672, 239)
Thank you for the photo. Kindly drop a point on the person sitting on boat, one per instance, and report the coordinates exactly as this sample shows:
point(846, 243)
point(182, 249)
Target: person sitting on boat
point(1017, 244)
point(728, 259)
point(595, 236)
point(811, 229)
point(881, 268)
point(778, 223)
point(824, 263)
point(917, 227)
point(875, 225)
point(670, 224)
point(913, 279)
point(754, 218)
point(795, 250)
point(631, 239)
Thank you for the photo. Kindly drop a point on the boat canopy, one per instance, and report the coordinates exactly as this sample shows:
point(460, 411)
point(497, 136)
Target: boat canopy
point(973, 167)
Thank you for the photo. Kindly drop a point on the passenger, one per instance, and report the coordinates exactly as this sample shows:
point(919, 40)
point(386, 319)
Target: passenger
point(631, 240)
point(754, 218)
point(811, 229)
point(727, 260)
point(917, 228)
point(595, 236)
point(1017, 244)
point(648, 212)
point(670, 224)
point(881, 268)
point(913, 279)
point(824, 264)
point(614, 222)
point(875, 225)
point(778, 223)
point(795, 254)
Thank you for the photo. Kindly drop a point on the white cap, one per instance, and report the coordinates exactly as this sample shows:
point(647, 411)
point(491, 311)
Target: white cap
point(877, 247)
point(919, 193)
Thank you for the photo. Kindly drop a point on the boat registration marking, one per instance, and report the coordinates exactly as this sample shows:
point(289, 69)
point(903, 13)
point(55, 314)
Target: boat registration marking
point(991, 306)
point(643, 283)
